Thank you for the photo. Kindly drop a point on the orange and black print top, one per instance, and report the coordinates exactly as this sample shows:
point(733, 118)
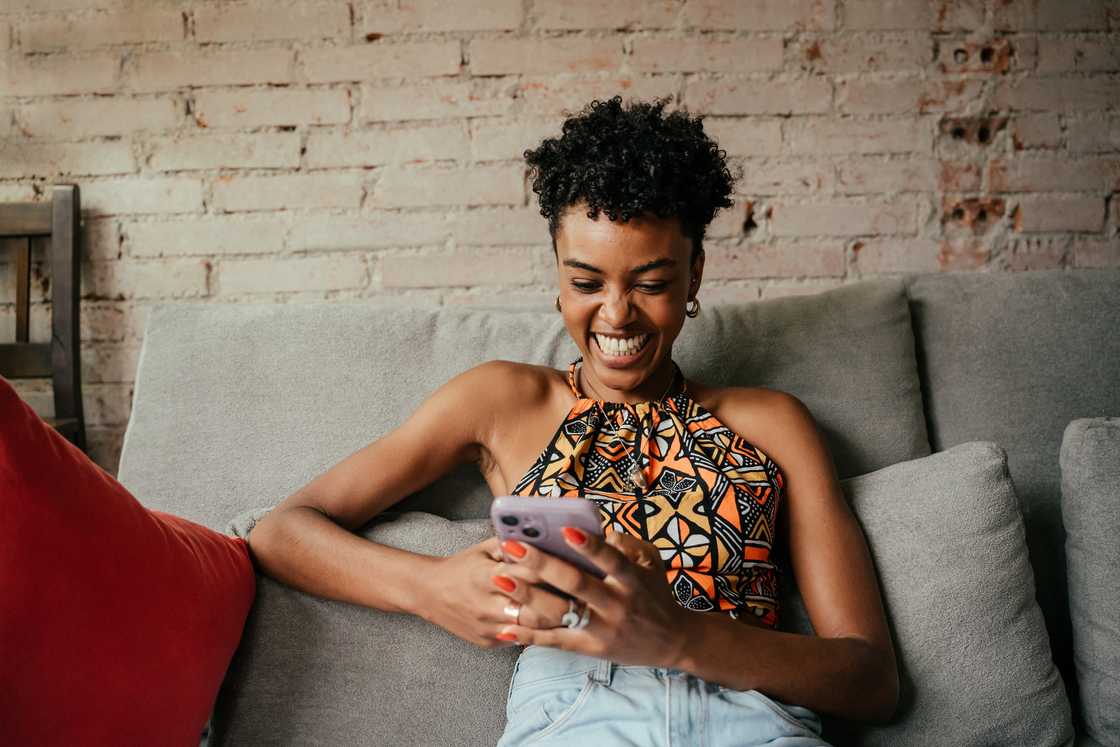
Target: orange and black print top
point(706, 498)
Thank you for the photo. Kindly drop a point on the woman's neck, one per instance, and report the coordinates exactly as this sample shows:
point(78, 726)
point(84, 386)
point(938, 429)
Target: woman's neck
point(654, 388)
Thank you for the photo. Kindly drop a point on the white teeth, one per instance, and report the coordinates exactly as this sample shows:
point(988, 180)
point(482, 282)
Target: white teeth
point(615, 346)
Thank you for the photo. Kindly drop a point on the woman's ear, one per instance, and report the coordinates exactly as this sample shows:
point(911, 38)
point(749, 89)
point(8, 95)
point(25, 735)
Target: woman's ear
point(696, 274)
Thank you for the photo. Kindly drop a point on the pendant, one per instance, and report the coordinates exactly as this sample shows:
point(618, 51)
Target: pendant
point(637, 478)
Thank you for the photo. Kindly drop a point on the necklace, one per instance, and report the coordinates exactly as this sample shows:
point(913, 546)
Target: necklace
point(635, 476)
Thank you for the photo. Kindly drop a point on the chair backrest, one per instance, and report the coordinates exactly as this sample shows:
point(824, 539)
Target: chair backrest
point(58, 359)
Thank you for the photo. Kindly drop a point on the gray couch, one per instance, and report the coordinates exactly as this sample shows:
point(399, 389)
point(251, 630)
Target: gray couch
point(930, 389)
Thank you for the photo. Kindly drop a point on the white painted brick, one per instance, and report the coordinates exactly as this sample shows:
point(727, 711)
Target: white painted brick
point(895, 255)
point(1055, 175)
point(383, 229)
point(753, 136)
point(69, 119)
point(887, 14)
point(45, 75)
point(524, 226)
point(556, 96)
point(260, 21)
point(204, 236)
point(288, 192)
point(960, 15)
point(107, 404)
point(114, 322)
point(24, 159)
point(867, 95)
point(473, 98)
point(1037, 131)
point(442, 15)
point(507, 297)
point(821, 218)
point(412, 60)
point(864, 53)
point(594, 14)
point(728, 222)
point(778, 259)
point(878, 175)
point(13, 192)
point(43, 6)
point(782, 290)
point(657, 55)
point(480, 185)
point(811, 136)
point(248, 276)
point(734, 95)
point(166, 278)
point(761, 15)
point(1083, 53)
point(443, 269)
point(1068, 94)
point(142, 195)
point(101, 240)
point(776, 177)
point(544, 56)
point(1052, 15)
point(270, 150)
point(272, 107)
point(5, 35)
point(7, 115)
point(495, 141)
point(1100, 134)
point(1096, 253)
point(46, 33)
point(382, 146)
point(102, 363)
point(1052, 214)
point(180, 68)
point(1034, 253)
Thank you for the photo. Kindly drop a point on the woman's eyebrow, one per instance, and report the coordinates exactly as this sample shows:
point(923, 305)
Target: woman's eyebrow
point(655, 264)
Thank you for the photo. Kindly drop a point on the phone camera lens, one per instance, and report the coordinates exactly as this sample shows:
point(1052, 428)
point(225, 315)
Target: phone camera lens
point(509, 521)
point(531, 532)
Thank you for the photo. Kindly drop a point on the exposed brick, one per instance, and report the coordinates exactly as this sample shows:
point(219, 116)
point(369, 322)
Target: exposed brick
point(776, 177)
point(545, 56)
point(959, 177)
point(873, 175)
point(1057, 94)
point(166, 278)
point(1099, 134)
point(555, 96)
point(887, 15)
point(864, 53)
point(657, 55)
point(101, 116)
point(442, 15)
point(204, 236)
point(1054, 175)
point(1053, 214)
point(894, 255)
point(472, 98)
point(1051, 15)
point(360, 63)
point(101, 240)
point(475, 267)
point(962, 254)
point(751, 137)
point(971, 55)
point(289, 191)
point(822, 218)
point(761, 15)
point(970, 216)
point(822, 136)
point(396, 145)
point(45, 75)
point(142, 195)
point(776, 259)
point(1084, 53)
point(733, 95)
point(595, 14)
point(1029, 131)
point(180, 68)
point(480, 185)
point(103, 363)
point(257, 108)
point(138, 24)
point(898, 95)
point(22, 159)
point(100, 320)
point(247, 276)
point(1097, 253)
point(1025, 254)
point(974, 131)
point(494, 141)
point(259, 21)
point(225, 151)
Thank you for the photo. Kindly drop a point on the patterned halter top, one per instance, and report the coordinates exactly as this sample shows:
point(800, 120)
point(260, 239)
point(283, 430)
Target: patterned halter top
point(706, 498)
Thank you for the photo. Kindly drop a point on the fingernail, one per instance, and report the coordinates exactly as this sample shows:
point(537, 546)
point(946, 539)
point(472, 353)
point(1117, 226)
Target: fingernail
point(507, 636)
point(575, 536)
point(504, 582)
point(514, 548)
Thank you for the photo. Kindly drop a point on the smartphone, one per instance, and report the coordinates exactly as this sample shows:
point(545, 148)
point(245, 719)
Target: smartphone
point(538, 521)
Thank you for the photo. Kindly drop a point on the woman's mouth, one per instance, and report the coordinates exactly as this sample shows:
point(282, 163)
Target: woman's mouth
point(622, 350)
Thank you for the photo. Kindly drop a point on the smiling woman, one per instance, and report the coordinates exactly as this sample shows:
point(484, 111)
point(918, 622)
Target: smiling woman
point(678, 639)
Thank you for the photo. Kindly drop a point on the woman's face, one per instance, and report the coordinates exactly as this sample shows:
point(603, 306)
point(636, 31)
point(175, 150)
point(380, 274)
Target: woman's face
point(623, 290)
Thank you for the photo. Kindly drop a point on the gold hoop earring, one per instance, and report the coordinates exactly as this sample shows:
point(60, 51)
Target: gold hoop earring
point(558, 303)
point(692, 311)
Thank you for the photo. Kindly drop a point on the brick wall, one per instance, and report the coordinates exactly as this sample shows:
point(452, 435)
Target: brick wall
point(308, 150)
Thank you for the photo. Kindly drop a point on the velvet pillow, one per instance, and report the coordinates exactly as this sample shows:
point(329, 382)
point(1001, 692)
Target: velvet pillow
point(117, 623)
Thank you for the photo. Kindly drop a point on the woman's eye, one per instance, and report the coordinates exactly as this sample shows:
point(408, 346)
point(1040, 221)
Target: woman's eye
point(652, 287)
point(585, 287)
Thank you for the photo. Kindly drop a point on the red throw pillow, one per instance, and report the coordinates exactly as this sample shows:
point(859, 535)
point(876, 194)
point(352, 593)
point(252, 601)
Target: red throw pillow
point(117, 623)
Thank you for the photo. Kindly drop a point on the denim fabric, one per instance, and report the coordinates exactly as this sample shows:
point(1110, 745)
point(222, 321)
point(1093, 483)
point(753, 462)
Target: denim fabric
point(558, 697)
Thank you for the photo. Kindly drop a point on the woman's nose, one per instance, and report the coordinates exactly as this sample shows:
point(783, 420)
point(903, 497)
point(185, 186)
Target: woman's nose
point(615, 311)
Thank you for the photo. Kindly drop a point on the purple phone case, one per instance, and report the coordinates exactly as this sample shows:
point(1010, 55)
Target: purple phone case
point(547, 515)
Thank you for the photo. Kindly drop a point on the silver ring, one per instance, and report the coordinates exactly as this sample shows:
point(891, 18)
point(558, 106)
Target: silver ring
point(571, 617)
point(513, 610)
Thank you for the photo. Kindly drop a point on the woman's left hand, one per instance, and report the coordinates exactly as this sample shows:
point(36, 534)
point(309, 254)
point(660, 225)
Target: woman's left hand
point(634, 618)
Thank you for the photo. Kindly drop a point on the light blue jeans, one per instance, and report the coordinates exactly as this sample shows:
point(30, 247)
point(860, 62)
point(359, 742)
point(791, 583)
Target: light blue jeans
point(558, 697)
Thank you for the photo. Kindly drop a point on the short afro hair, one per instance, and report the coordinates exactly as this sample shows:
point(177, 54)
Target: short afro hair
point(629, 161)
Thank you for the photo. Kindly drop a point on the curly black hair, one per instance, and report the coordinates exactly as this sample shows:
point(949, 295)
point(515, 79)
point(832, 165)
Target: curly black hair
point(627, 161)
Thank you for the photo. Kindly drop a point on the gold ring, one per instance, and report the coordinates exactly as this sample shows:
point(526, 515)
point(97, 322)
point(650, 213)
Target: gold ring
point(513, 611)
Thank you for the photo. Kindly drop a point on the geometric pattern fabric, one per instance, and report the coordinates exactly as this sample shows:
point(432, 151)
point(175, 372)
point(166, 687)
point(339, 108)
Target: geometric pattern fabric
point(711, 501)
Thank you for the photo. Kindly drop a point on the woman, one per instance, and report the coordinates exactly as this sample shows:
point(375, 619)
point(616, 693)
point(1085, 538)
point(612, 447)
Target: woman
point(677, 645)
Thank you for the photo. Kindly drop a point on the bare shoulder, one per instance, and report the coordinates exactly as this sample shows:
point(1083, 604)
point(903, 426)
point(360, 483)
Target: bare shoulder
point(777, 422)
point(511, 385)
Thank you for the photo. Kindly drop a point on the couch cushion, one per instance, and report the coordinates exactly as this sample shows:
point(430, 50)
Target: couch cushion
point(1012, 358)
point(1090, 460)
point(314, 671)
point(240, 405)
point(116, 623)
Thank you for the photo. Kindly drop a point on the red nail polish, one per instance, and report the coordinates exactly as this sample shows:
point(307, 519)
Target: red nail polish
point(514, 548)
point(504, 582)
point(507, 636)
point(574, 535)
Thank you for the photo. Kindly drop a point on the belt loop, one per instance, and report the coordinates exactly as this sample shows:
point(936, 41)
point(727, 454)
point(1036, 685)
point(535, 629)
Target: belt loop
point(602, 673)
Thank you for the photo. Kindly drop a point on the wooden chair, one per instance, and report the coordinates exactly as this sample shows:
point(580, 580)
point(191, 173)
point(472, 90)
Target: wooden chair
point(60, 358)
